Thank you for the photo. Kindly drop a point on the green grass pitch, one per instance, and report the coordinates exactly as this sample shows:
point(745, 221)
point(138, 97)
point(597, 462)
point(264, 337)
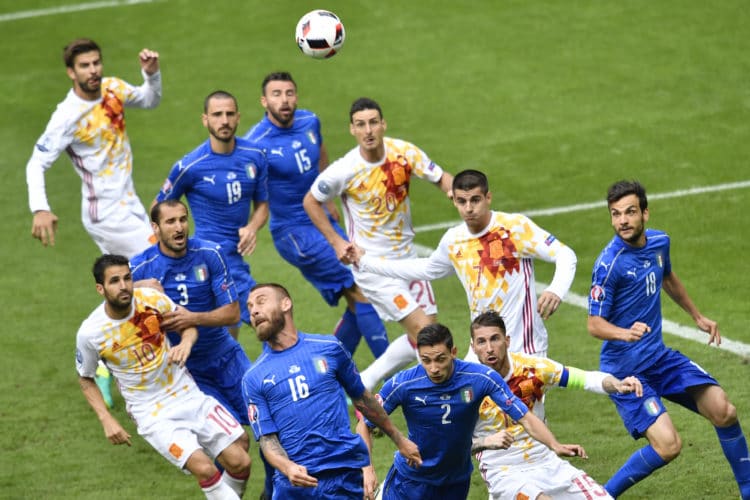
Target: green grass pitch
point(554, 100)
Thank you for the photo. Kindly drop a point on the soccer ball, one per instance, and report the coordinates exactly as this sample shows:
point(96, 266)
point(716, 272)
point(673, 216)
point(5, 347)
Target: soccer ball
point(320, 34)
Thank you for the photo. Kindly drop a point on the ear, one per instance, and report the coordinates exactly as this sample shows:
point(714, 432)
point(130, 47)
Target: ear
point(385, 125)
point(645, 215)
point(71, 73)
point(263, 102)
point(100, 289)
point(507, 341)
point(489, 196)
point(454, 352)
point(204, 119)
point(286, 305)
point(351, 129)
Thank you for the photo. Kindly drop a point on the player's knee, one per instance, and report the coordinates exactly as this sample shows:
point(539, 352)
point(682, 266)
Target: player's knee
point(235, 460)
point(201, 467)
point(669, 449)
point(244, 441)
point(726, 416)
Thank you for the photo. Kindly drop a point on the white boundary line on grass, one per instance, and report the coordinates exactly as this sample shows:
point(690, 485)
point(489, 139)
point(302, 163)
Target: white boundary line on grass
point(668, 326)
point(26, 14)
point(602, 204)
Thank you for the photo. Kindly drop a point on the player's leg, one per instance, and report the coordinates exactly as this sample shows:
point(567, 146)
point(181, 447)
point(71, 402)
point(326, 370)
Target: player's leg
point(367, 321)
point(644, 416)
point(222, 436)
point(664, 446)
point(411, 304)
point(243, 282)
point(236, 463)
point(209, 477)
point(713, 403)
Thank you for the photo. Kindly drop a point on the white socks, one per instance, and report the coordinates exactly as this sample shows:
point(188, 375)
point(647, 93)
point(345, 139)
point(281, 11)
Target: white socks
point(398, 355)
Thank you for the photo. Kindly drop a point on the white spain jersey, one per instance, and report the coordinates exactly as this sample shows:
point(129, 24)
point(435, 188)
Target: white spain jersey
point(375, 196)
point(93, 135)
point(529, 379)
point(135, 351)
point(496, 269)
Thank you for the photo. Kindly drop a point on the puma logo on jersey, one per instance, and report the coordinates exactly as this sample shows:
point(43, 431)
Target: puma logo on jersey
point(271, 380)
point(211, 179)
point(631, 273)
point(421, 400)
point(278, 152)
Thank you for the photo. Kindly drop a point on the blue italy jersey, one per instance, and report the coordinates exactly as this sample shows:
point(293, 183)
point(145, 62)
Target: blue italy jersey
point(200, 281)
point(297, 394)
point(626, 287)
point(220, 189)
point(293, 154)
point(441, 417)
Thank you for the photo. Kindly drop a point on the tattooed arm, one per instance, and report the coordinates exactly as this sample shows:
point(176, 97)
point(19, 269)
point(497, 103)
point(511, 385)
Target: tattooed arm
point(374, 412)
point(277, 457)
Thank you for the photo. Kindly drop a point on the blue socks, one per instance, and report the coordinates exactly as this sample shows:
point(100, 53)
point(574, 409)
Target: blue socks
point(347, 331)
point(734, 444)
point(364, 322)
point(372, 328)
point(640, 464)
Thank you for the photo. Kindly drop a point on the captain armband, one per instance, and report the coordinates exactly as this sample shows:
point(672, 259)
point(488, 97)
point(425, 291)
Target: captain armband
point(587, 380)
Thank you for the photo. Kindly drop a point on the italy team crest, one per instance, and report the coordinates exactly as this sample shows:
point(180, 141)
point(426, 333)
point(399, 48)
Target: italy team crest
point(250, 168)
point(201, 272)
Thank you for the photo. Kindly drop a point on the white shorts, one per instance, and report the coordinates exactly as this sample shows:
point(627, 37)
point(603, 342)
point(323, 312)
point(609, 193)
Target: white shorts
point(127, 233)
point(198, 422)
point(394, 299)
point(553, 476)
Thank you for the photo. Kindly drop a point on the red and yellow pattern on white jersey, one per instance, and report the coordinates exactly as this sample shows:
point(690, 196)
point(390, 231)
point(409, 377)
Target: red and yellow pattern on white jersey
point(93, 135)
point(529, 379)
point(135, 350)
point(376, 196)
point(496, 268)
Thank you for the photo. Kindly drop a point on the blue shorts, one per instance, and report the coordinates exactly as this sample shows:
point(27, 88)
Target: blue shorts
point(399, 487)
point(669, 377)
point(243, 282)
point(336, 483)
point(221, 377)
point(306, 248)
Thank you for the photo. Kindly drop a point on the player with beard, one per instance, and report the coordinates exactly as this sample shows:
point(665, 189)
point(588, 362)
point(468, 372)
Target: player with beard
point(625, 312)
point(297, 407)
point(187, 427)
point(527, 468)
point(224, 181)
point(89, 125)
point(293, 143)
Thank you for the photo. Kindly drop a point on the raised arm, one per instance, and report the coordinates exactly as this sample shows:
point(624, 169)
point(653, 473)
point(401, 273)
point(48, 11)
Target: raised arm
point(602, 383)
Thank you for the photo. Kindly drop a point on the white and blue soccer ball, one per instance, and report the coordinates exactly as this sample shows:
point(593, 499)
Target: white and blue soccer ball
point(320, 34)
